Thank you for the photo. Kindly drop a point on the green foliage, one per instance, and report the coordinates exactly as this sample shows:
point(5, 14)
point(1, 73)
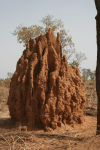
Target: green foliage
point(93, 75)
point(86, 73)
point(24, 34)
point(79, 58)
point(54, 25)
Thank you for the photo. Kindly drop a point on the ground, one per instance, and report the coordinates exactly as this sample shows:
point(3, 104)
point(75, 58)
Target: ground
point(73, 137)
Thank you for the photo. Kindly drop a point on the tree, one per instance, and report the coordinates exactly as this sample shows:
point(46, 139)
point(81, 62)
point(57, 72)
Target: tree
point(24, 34)
point(85, 74)
point(1, 79)
point(9, 75)
point(93, 75)
point(79, 58)
point(97, 4)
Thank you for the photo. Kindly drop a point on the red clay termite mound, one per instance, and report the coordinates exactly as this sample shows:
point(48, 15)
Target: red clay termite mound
point(44, 90)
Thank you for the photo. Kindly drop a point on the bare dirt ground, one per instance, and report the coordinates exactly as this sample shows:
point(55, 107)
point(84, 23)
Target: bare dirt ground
point(75, 137)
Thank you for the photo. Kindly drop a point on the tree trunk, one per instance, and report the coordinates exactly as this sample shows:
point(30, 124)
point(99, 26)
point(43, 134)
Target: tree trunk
point(98, 71)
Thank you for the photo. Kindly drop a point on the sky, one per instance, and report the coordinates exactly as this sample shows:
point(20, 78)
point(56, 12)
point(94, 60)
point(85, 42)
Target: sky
point(78, 17)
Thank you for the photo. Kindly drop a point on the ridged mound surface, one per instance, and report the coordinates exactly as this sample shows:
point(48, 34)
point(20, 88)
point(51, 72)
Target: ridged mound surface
point(44, 90)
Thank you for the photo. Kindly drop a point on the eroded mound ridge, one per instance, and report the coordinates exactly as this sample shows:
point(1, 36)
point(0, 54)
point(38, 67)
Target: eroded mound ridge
point(44, 90)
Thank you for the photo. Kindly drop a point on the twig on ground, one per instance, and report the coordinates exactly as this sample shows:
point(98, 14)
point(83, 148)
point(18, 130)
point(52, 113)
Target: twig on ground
point(6, 140)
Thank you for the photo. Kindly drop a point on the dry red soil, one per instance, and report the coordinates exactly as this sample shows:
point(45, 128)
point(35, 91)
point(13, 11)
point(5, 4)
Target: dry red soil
point(74, 137)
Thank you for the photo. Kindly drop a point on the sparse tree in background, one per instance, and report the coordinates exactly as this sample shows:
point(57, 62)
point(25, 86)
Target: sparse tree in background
point(9, 75)
point(2, 79)
point(86, 73)
point(24, 34)
point(93, 75)
point(79, 58)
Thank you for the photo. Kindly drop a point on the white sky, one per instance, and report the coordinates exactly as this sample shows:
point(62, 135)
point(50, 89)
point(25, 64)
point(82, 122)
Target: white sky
point(78, 16)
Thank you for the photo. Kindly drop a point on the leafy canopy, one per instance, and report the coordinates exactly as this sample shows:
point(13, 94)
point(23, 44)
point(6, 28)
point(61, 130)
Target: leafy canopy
point(68, 48)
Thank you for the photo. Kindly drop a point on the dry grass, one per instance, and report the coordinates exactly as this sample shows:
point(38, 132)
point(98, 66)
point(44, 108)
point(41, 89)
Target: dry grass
point(14, 139)
point(91, 98)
